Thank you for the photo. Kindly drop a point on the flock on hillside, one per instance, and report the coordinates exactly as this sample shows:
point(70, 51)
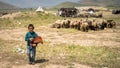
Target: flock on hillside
point(84, 24)
point(74, 12)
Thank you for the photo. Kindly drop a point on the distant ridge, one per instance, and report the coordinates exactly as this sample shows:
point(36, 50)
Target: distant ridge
point(6, 6)
point(67, 4)
point(111, 3)
point(100, 2)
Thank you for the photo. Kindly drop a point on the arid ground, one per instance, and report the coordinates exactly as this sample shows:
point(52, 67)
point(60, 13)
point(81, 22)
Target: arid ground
point(62, 48)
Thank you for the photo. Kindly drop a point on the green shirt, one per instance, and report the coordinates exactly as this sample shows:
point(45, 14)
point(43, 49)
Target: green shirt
point(30, 35)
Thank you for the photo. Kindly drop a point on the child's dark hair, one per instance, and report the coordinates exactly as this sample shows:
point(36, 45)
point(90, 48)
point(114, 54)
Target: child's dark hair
point(31, 25)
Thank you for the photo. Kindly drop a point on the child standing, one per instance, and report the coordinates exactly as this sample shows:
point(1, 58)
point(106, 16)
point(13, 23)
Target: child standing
point(31, 50)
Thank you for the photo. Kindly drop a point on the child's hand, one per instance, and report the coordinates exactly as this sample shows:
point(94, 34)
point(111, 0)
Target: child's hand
point(33, 44)
point(31, 39)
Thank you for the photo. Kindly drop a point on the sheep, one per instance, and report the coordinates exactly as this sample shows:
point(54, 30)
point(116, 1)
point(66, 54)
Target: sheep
point(84, 27)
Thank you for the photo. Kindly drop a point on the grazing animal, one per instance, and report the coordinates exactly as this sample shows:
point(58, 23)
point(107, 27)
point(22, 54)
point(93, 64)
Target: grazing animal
point(94, 25)
point(84, 24)
point(111, 23)
point(84, 27)
point(66, 23)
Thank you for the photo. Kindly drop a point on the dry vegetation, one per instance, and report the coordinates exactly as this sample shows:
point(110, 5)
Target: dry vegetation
point(62, 48)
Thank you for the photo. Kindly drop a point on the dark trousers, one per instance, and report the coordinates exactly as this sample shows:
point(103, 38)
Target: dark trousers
point(31, 51)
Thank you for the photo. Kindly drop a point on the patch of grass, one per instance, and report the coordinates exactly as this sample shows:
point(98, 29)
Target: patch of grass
point(67, 54)
point(25, 18)
point(89, 55)
point(109, 15)
point(6, 23)
point(69, 30)
point(8, 54)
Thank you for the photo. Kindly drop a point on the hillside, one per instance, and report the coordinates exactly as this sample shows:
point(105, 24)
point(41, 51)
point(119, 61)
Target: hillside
point(111, 3)
point(67, 4)
point(35, 3)
point(100, 2)
point(6, 6)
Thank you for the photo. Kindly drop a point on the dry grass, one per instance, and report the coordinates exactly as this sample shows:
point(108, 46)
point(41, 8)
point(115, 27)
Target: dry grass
point(63, 54)
point(67, 48)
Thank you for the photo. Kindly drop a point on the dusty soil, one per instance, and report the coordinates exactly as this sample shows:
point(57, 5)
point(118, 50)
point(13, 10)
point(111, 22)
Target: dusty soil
point(107, 37)
point(75, 65)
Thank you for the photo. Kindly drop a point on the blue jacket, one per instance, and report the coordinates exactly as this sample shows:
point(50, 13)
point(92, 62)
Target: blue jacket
point(30, 35)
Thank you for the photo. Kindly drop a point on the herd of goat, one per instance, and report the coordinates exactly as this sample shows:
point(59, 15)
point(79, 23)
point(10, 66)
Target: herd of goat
point(84, 24)
point(88, 15)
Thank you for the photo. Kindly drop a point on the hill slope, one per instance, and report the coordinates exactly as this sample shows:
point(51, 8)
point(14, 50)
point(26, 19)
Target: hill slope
point(100, 2)
point(6, 6)
point(35, 3)
point(67, 4)
point(115, 3)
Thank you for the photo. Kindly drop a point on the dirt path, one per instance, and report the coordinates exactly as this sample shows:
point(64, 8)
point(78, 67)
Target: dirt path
point(106, 37)
point(27, 66)
point(75, 65)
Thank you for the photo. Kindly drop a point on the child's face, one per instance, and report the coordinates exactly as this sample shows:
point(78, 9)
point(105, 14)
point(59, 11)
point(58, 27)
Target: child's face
point(30, 29)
